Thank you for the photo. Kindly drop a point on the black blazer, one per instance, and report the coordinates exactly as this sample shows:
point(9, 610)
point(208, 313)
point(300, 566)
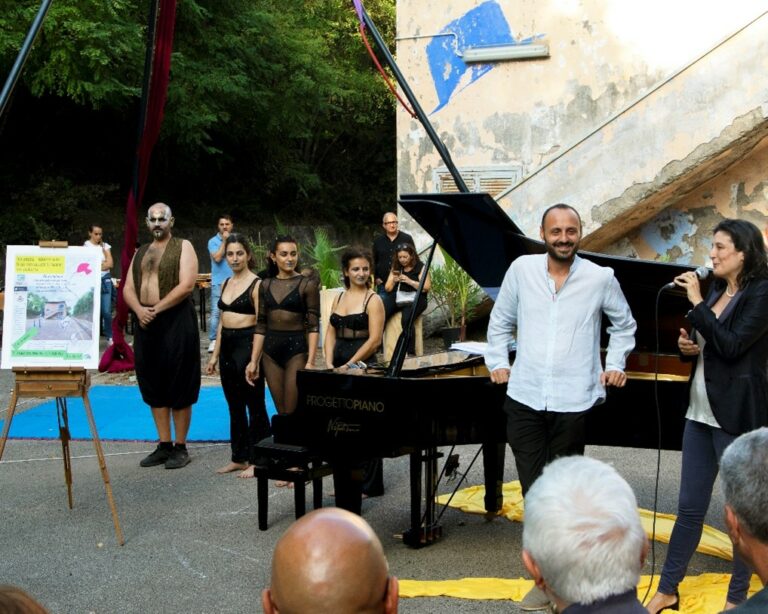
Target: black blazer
point(736, 357)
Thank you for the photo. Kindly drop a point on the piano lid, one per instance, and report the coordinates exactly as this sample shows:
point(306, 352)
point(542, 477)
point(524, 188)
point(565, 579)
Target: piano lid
point(474, 230)
point(484, 241)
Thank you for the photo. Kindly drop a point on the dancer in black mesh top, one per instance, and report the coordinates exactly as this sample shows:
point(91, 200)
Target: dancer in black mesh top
point(287, 325)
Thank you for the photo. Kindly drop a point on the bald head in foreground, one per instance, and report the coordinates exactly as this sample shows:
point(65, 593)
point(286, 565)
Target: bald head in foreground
point(330, 561)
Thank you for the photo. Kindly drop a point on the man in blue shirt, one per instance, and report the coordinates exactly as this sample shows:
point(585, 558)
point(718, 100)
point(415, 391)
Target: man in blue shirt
point(552, 305)
point(219, 272)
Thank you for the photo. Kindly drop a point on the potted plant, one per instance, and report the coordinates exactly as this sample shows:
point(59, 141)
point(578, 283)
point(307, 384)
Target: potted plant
point(324, 258)
point(457, 296)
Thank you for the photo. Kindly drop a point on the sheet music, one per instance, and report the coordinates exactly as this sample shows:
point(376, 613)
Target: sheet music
point(477, 347)
point(471, 347)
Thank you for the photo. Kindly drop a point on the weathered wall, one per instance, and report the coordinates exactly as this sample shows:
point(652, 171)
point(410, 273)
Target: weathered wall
point(641, 107)
point(682, 233)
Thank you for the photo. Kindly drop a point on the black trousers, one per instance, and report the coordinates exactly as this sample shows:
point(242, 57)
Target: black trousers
point(246, 427)
point(538, 437)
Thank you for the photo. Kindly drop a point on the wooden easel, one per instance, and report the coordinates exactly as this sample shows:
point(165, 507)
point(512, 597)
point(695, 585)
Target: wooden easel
point(61, 383)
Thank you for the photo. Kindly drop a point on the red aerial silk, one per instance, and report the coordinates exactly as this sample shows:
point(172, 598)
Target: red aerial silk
point(119, 356)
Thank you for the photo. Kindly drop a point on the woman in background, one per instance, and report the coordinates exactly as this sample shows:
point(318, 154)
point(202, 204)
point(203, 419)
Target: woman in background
point(238, 305)
point(407, 271)
point(96, 240)
point(728, 390)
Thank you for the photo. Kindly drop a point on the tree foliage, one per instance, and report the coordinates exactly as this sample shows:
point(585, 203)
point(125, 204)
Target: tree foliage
point(273, 106)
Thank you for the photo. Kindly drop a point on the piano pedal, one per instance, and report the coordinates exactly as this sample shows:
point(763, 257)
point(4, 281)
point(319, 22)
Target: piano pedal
point(451, 467)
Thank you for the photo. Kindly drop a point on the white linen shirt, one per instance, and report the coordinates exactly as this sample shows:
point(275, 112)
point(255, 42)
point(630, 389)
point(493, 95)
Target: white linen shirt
point(557, 366)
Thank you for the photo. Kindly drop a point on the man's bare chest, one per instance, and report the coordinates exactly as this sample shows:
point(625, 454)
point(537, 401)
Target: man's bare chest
point(150, 263)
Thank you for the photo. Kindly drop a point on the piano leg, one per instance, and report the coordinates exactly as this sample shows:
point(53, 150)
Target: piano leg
point(412, 536)
point(423, 534)
point(348, 484)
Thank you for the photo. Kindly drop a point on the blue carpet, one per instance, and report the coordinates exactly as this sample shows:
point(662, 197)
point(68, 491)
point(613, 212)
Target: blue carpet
point(121, 415)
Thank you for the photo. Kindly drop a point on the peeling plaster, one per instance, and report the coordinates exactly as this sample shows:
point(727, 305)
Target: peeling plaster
point(671, 229)
point(641, 201)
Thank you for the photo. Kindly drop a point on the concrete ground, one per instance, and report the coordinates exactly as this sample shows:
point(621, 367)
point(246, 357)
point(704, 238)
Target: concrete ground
point(192, 542)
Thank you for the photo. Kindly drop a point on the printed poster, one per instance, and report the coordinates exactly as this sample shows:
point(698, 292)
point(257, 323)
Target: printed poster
point(52, 307)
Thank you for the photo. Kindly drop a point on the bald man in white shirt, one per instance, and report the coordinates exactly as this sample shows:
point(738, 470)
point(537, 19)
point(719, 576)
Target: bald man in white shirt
point(553, 304)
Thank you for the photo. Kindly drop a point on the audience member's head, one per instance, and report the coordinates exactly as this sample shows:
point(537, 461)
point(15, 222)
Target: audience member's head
point(330, 561)
point(582, 537)
point(744, 474)
point(14, 600)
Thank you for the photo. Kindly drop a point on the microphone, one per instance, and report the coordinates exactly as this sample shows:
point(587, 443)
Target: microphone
point(702, 272)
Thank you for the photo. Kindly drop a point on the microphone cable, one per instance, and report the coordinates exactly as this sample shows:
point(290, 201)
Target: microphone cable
point(658, 449)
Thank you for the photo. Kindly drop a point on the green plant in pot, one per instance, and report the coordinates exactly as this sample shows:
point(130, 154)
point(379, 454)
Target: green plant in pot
point(324, 257)
point(456, 294)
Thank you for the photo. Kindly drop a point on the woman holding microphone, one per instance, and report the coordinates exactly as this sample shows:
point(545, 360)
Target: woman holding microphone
point(728, 345)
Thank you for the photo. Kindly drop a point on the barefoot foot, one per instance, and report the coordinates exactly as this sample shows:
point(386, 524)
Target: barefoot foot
point(247, 472)
point(231, 467)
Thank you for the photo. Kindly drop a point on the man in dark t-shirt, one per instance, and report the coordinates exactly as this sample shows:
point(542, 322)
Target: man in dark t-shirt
point(384, 247)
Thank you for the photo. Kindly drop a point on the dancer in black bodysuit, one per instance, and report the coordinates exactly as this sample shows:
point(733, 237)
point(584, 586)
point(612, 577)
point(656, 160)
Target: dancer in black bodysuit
point(287, 325)
point(357, 326)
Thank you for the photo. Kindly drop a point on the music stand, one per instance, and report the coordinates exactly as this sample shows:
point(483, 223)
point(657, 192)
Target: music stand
point(61, 383)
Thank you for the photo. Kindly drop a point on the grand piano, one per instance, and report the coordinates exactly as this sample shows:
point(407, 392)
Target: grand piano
point(447, 399)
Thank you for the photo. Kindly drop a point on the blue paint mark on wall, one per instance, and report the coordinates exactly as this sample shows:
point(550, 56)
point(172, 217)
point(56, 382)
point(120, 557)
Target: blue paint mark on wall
point(668, 230)
point(483, 25)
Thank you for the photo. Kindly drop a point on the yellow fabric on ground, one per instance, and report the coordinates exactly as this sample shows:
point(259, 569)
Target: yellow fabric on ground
point(704, 594)
point(470, 500)
point(713, 542)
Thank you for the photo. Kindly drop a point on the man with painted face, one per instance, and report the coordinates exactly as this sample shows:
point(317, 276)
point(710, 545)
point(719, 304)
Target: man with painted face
point(552, 305)
point(166, 340)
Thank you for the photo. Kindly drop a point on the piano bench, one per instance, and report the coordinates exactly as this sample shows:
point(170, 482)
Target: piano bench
point(392, 330)
point(289, 463)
